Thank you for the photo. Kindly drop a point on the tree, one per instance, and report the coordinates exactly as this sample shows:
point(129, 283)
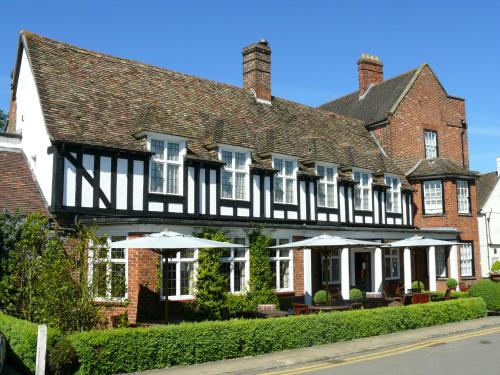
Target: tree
point(3, 120)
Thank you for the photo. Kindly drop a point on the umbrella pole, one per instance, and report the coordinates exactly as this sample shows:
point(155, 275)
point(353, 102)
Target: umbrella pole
point(326, 273)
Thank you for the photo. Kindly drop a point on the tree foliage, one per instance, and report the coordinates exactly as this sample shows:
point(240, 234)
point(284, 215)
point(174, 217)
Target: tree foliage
point(3, 120)
point(260, 269)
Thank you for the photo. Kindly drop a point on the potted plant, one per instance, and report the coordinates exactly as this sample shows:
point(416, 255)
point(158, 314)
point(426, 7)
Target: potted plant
point(355, 294)
point(495, 271)
point(451, 283)
point(320, 297)
point(417, 286)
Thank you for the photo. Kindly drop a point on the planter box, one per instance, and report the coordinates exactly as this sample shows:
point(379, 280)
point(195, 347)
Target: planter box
point(495, 277)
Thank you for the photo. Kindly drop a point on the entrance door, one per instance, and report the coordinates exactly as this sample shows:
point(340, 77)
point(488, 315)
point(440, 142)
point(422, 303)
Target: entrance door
point(420, 269)
point(362, 271)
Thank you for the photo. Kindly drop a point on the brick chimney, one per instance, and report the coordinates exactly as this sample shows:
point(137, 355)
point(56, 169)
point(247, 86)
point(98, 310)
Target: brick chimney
point(257, 69)
point(370, 72)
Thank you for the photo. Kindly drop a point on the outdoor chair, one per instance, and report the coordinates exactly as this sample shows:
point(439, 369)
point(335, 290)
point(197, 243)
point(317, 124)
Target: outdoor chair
point(392, 292)
point(300, 309)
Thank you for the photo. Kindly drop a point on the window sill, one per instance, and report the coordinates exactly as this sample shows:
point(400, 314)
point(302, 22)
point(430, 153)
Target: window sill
point(467, 277)
point(285, 292)
point(441, 278)
point(112, 302)
point(155, 193)
point(359, 211)
point(465, 215)
point(433, 215)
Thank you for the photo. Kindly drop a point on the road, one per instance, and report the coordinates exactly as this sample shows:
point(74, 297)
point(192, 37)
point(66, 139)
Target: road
point(468, 353)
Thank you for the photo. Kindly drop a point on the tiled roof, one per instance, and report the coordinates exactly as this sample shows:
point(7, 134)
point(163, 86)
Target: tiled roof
point(376, 102)
point(439, 167)
point(92, 98)
point(485, 185)
point(18, 189)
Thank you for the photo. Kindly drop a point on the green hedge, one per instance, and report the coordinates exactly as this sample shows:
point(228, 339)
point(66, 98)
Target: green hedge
point(21, 338)
point(127, 350)
point(489, 291)
point(454, 295)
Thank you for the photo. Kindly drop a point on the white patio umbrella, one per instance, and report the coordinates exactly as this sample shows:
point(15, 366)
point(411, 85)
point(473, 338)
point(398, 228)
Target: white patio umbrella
point(419, 241)
point(326, 243)
point(168, 241)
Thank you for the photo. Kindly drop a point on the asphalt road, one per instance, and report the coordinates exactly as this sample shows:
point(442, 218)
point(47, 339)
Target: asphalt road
point(468, 354)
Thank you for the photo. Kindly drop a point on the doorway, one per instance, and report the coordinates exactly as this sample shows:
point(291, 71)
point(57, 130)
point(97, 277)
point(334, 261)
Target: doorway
point(419, 266)
point(362, 271)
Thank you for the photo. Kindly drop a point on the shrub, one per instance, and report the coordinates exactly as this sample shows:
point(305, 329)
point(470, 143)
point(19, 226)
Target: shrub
point(355, 294)
point(495, 267)
point(454, 295)
point(21, 338)
point(320, 297)
point(127, 350)
point(489, 291)
point(417, 285)
point(451, 283)
point(239, 304)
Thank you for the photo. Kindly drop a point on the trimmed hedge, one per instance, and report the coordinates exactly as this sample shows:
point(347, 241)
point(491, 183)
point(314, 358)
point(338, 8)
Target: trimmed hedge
point(21, 338)
point(489, 291)
point(454, 295)
point(127, 350)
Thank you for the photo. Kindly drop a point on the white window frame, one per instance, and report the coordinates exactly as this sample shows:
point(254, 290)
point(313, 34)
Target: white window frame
point(466, 262)
point(178, 260)
point(335, 254)
point(232, 259)
point(389, 256)
point(282, 175)
point(325, 182)
point(359, 187)
point(433, 197)
point(441, 262)
point(277, 259)
point(165, 162)
point(431, 144)
point(234, 171)
point(395, 195)
point(463, 196)
point(109, 266)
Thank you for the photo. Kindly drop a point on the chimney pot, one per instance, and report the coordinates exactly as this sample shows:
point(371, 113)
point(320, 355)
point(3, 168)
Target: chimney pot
point(257, 69)
point(370, 72)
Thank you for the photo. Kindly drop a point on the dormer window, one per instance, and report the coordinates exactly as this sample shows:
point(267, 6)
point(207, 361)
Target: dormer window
point(393, 194)
point(430, 140)
point(235, 177)
point(166, 164)
point(362, 190)
point(285, 180)
point(327, 185)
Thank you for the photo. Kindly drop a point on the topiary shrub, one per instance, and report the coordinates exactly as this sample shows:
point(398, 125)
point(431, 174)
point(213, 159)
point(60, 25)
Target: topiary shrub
point(451, 283)
point(238, 304)
point(495, 267)
point(417, 285)
point(489, 291)
point(320, 297)
point(355, 294)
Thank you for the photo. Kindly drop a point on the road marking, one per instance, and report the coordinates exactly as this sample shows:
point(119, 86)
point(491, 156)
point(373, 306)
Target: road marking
point(385, 353)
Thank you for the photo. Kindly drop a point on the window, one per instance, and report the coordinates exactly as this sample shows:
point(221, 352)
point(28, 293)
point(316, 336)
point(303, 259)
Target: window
point(466, 260)
point(333, 266)
point(441, 262)
point(327, 186)
point(430, 140)
point(180, 274)
point(433, 197)
point(109, 272)
point(391, 264)
point(393, 194)
point(362, 191)
point(236, 175)
point(281, 265)
point(463, 197)
point(166, 166)
point(234, 265)
point(284, 181)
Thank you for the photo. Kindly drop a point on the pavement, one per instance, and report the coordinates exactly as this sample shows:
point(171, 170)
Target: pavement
point(463, 348)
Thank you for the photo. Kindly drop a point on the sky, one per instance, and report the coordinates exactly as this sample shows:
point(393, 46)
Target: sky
point(315, 44)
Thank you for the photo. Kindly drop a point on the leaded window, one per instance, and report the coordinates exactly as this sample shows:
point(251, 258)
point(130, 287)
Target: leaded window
point(362, 190)
point(430, 140)
point(235, 175)
point(441, 262)
point(466, 260)
point(393, 194)
point(391, 264)
point(463, 197)
point(327, 186)
point(166, 167)
point(433, 197)
point(333, 259)
point(284, 181)
point(281, 265)
point(235, 266)
point(179, 274)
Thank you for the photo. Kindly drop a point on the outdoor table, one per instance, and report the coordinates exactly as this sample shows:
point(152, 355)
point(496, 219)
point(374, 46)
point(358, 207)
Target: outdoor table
point(317, 309)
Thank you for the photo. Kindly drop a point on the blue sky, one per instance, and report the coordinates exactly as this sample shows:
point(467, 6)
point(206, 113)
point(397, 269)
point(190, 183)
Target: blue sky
point(315, 44)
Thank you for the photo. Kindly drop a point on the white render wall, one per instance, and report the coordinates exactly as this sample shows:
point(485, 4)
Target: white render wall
point(30, 123)
point(489, 231)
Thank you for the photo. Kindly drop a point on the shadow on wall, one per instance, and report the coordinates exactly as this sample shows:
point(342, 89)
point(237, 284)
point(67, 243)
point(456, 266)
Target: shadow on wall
point(149, 305)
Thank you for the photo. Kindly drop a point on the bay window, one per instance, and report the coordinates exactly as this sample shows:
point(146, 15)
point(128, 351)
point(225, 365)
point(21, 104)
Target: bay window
point(441, 262)
point(362, 190)
point(281, 265)
point(327, 186)
point(166, 165)
point(108, 271)
point(179, 273)
point(333, 259)
point(433, 197)
point(391, 264)
point(235, 266)
point(463, 197)
point(235, 176)
point(466, 260)
point(285, 180)
point(430, 141)
point(393, 194)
